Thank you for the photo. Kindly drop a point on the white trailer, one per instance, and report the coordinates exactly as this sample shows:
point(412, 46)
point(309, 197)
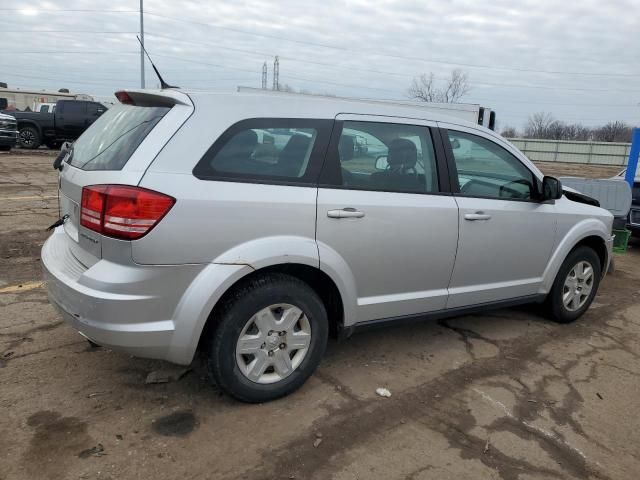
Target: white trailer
point(470, 112)
point(26, 99)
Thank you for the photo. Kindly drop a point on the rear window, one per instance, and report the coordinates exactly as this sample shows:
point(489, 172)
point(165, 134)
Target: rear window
point(264, 150)
point(111, 140)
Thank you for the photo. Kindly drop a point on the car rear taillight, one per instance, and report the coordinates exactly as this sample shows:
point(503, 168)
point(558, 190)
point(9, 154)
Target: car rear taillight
point(121, 211)
point(124, 98)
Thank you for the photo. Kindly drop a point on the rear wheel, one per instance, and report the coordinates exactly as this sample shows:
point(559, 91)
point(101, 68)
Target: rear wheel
point(270, 336)
point(29, 137)
point(575, 285)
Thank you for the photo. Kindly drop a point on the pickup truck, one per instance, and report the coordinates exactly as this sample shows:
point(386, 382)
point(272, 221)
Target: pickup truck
point(8, 133)
point(69, 119)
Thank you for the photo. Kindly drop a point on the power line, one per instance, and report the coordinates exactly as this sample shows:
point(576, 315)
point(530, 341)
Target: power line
point(66, 10)
point(65, 52)
point(403, 57)
point(334, 66)
point(324, 45)
point(115, 32)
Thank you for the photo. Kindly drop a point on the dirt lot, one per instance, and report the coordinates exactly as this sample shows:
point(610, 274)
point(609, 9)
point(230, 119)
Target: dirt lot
point(503, 395)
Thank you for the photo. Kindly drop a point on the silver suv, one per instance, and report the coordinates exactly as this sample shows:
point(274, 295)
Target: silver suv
point(253, 226)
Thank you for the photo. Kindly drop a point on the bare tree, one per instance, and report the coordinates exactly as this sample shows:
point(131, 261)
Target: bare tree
point(576, 131)
point(424, 88)
point(538, 125)
point(613, 132)
point(509, 132)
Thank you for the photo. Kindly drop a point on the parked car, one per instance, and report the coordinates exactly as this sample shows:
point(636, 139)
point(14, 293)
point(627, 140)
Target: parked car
point(633, 219)
point(69, 120)
point(8, 132)
point(175, 237)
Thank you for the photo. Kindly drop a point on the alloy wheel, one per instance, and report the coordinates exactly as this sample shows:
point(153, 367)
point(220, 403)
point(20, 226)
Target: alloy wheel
point(273, 343)
point(577, 286)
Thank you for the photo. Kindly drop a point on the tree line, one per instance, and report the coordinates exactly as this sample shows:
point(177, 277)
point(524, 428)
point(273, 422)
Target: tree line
point(540, 125)
point(544, 126)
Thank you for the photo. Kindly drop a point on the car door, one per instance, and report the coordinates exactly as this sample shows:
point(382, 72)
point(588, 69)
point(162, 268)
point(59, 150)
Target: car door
point(71, 118)
point(506, 234)
point(94, 110)
point(386, 221)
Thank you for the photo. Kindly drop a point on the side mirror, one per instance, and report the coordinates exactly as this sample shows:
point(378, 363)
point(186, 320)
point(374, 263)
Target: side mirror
point(551, 188)
point(381, 163)
point(455, 143)
point(64, 152)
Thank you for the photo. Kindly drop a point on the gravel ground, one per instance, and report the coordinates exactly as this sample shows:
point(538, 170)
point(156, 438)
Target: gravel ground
point(501, 395)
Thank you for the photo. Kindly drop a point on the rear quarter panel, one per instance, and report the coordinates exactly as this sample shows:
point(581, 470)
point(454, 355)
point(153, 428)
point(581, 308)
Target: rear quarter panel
point(225, 221)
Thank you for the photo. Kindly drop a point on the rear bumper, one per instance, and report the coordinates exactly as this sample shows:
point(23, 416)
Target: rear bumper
point(125, 307)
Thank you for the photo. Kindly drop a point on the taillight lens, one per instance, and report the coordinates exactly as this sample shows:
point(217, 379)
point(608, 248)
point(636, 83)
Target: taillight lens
point(121, 211)
point(124, 98)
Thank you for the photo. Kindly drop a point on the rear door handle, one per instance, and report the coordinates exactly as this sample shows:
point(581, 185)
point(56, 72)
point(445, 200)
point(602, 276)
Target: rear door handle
point(345, 213)
point(476, 216)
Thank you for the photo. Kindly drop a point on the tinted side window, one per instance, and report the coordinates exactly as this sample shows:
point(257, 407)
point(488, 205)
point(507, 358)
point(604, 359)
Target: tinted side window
point(74, 107)
point(485, 169)
point(267, 149)
point(387, 157)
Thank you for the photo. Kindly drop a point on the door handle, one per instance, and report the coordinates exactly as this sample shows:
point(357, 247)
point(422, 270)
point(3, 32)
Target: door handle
point(345, 213)
point(476, 216)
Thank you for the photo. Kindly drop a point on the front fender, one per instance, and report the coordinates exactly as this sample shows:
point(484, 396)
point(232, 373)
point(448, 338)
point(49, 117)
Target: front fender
point(589, 227)
point(29, 123)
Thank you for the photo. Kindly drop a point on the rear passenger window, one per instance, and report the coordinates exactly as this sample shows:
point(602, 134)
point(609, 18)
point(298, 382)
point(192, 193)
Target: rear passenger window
point(263, 149)
point(74, 107)
point(388, 157)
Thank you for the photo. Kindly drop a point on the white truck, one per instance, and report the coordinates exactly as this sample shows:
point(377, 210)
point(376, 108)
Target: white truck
point(471, 112)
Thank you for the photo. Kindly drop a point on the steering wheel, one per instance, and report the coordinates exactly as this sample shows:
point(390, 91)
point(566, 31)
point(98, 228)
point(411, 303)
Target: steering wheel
point(507, 191)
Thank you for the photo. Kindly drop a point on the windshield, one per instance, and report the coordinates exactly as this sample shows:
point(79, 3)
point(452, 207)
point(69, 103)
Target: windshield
point(111, 140)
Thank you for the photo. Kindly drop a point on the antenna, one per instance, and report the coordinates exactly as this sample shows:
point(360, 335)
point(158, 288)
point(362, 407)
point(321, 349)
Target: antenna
point(163, 84)
point(264, 76)
point(276, 74)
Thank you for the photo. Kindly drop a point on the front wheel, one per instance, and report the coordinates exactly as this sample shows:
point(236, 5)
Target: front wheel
point(29, 137)
point(575, 285)
point(270, 336)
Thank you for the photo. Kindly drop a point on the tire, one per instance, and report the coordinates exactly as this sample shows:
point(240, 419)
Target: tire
point(29, 137)
point(278, 297)
point(568, 311)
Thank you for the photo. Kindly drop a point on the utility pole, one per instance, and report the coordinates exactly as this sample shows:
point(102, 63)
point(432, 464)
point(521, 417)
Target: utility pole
point(141, 46)
point(276, 74)
point(264, 76)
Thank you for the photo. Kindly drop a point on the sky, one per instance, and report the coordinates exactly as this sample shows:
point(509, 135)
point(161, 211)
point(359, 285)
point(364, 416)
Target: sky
point(579, 61)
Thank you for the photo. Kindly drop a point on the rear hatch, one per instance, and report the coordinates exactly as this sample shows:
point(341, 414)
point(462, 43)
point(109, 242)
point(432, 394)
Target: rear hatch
point(116, 150)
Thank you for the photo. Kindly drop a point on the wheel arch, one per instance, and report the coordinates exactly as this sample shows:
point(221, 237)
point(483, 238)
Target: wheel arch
point(318, 280)
point(591, 233)
point(29, 123)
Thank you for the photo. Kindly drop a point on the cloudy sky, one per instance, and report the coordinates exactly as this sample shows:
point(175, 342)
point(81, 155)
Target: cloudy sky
point(578, 60)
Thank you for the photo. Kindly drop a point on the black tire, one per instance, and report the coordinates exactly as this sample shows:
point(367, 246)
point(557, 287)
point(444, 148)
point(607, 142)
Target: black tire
point(556, 307)
point(29, 137)
point(243, 303)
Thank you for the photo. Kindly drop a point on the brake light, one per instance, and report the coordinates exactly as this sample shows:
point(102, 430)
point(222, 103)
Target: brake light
point(122, 211)
point(124, 98)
